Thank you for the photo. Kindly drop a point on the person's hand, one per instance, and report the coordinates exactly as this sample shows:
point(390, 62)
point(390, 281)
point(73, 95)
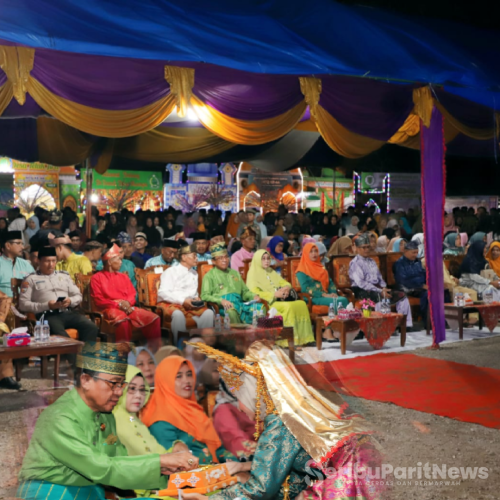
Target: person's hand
point(243, 477)
point(386, 293)
point(178, 447)
point(495, 284)
point(194, 496)
point(257, 298)
point(226, 304)
point(286, 291)
point(53, 305)
point(188, 304)
point(177, 462)
point(279, 294)
point(124, 305)
point(66, 302)
point(234, 467)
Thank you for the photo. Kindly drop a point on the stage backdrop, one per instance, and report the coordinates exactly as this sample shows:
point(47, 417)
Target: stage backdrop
point(27, 174)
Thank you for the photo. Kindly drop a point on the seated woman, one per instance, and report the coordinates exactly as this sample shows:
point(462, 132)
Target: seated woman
point(342, 246)
point(247, 239)
point(145, 360)
point(475, 262)
point(314, 280)
point(275, 248)
point(225, 287)
point(174, 415)
point(235, 429)
point(291, 444)
point(453, 244)
point(265, 282)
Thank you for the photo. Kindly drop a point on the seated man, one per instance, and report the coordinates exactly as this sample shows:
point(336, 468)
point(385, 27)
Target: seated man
point(92, 250)
point(201, 242)
point(140, 244)
point(168, 255)
point(40, 294)
point(67, 260)
point(218, 236)
point(225, 287)
point(179, 287)
point(114, 295)
point(128, 250)
point(367, 281)
point(76, 242)
point(411, 277)
point(74, 451)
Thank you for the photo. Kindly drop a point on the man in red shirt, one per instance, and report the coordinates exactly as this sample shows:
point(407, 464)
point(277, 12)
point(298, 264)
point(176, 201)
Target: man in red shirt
point(114, 295)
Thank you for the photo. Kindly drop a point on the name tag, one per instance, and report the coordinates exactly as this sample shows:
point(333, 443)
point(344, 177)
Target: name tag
point(158, 270)
point(40, 285)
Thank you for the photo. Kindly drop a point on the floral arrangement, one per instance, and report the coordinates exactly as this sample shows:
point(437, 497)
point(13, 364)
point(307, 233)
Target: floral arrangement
point(367, 305)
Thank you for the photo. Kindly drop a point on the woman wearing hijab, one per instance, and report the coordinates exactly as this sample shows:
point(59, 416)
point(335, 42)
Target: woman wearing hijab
point(132, 227)
point(475, 262)
point(382, 244)
point(419, 238)
point(115, 225)
point(33, 226)
point(453, 244)
point(235, 429)
point(479, 236)
point(314, 279)
point(297, 430)
point(153, 236)
point(165, 352)
point(342, 246)
point(132, 433)
point(275, 248)
point(352, 227)
point(265, 282)
point(397, 245)
point(144, 359)
point(173, 414)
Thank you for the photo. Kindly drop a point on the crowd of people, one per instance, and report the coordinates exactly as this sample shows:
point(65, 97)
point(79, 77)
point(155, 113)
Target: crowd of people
point(158, 393)
point(51, 248)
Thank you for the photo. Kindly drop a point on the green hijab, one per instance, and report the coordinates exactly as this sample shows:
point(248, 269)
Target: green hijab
point(267, 280)
point(134, 435)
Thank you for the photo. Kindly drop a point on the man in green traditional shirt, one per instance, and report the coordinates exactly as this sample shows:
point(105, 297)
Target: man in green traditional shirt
point(225, 287)
point(75, 451)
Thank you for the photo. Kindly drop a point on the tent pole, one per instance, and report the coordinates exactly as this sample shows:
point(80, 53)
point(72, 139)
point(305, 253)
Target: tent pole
point(88, 194)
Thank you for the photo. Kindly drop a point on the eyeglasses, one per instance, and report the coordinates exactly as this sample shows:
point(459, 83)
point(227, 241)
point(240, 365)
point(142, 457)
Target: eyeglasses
point(113, 385)
point(133, 390)
point(16, 242)
point(222, 258)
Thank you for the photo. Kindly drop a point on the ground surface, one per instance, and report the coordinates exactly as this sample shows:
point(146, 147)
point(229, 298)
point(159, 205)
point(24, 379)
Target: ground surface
point(408, 437)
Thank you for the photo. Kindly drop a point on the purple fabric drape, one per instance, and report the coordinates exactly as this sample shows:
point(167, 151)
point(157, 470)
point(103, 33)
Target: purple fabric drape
point(433, 182)
point(368, 107)
point(18, 139)
point(3, 78)
point(101, 82)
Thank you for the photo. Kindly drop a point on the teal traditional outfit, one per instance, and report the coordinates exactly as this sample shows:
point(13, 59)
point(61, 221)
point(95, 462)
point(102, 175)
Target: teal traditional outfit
point(18, 268)
point(75, 451)
point(172, 418)
point(228, 285)
point(314, 280)
point(304, 434)
point(265, 283)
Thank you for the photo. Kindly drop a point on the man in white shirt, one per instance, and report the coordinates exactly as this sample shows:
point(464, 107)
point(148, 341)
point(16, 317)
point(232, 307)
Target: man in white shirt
point(179, 289)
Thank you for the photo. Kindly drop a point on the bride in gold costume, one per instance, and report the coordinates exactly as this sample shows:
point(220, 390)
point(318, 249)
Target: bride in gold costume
point(309, 447)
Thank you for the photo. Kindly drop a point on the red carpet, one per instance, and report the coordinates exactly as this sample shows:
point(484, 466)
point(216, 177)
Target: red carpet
point(462, 392)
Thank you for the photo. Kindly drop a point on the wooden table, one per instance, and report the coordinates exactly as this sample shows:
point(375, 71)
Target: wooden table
point(250, 333)
point(457, 313)
point(54, 346)
point(348, 325)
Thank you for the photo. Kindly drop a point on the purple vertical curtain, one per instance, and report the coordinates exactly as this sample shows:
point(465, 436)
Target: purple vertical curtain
point(433, 185)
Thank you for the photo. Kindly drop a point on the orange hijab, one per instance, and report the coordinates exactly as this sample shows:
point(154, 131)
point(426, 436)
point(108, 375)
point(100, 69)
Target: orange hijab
point(494, 264)
point(185, 414)
point(314, 270)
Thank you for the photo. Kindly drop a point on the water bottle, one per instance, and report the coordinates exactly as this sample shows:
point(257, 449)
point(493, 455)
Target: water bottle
point(217, 325)
point(331, 310)
point(37, 332)
point(45, 331)
point(386, 306)
point(227, 322)
point(255, 317)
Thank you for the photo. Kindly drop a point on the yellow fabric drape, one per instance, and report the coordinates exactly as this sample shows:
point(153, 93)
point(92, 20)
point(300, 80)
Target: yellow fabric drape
point(423, 101)
point(181, 82)
point(311, 90)
point(17, 63)
point(102, 122)
point(172, 145)
point(409, 129)
point(6, 94)
point(247, 132)
point(343, 141)
point(481, 134)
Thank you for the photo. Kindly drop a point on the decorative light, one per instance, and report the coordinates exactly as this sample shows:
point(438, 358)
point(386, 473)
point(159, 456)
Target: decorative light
point(238, 187)
point(295, 197)
point(387, 189)
point(245, 199)
point(94, 198)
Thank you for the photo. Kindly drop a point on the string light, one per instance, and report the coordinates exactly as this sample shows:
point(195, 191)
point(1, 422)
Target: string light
point(386, 190)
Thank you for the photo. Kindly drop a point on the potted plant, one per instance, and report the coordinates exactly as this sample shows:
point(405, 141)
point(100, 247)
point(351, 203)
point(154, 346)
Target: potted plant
point(367, 306)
